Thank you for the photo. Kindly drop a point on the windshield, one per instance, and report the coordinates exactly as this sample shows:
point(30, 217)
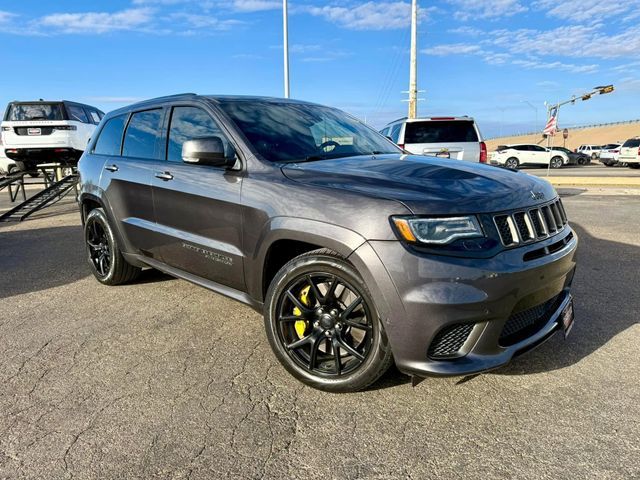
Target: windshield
point(294, 132)
point(35, 111)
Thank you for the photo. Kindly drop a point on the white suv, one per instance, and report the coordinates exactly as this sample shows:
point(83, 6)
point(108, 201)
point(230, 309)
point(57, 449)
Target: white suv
point(514, 156)
point(592, 150)
point(457, 138)
point(45, 132)
point(630, 153)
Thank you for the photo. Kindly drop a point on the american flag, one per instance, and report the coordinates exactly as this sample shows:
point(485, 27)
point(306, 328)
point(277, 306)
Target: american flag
point(552, 123)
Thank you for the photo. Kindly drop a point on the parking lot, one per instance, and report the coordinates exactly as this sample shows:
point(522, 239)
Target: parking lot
point(163, 379)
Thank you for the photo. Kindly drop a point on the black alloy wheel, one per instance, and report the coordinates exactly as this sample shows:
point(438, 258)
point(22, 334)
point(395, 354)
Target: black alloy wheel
point(556, 162)
point(98, 246)
point(337, 331)
point(322, 324)
point(103, 252)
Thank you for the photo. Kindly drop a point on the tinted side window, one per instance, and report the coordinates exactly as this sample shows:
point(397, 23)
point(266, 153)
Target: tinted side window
point(77, 114)
point(440, 132)
point(110, 138)
point(536, 148)
point(142, 134)
point(395, 132)
point(92, 115)
point(188, 123)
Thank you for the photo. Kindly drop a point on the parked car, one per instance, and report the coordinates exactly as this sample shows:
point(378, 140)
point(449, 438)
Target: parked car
point(592, 151)
point(515, 156)
point(357, 254)
point(574, 157)
point(630, 153)
point(46, 132)
point(457, 138)
point(610, 154)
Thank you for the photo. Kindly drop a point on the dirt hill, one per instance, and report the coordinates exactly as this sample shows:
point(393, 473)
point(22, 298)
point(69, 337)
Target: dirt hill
point(595, 135)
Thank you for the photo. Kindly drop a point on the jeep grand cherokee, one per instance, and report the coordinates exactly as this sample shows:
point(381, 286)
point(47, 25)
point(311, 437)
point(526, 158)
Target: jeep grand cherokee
point(357, 254)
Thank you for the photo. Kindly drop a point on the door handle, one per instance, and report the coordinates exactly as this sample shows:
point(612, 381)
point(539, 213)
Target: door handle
point(166, 176)
point(112, 168)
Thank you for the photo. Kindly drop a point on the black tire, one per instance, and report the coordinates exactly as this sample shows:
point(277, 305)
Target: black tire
point(21, 166)
point(594, 156)
point(556, 162)
point(103, 253)
point(512, 163)
point(634, 165)
point(608, 164)
point(34, 174)
point(318, 368)
point(12, 169)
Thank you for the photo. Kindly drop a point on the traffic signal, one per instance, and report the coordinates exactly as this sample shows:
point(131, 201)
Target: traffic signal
point(586, 97)
point(607, 89)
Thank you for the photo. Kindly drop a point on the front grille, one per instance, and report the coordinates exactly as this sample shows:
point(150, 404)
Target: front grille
point(448, 342)
point(525, 323)
point(531, 225)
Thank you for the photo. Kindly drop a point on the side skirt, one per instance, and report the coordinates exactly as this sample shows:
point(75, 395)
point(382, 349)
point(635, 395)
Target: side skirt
point(203, 282)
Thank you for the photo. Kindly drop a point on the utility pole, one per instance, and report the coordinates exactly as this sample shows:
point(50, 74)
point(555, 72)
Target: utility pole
point(285, 41)
point(413, 68)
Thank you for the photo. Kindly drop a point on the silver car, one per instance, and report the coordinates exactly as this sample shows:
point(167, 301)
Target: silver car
point(457, 138)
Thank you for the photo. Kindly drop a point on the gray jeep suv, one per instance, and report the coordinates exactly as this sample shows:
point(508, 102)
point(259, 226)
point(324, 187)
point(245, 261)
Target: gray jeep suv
point(357, 254)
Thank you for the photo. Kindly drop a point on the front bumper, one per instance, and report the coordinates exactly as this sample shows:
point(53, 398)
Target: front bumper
point(421, 296)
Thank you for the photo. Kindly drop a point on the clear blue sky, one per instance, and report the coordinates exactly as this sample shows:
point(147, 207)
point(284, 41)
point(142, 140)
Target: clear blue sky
point(477, 57)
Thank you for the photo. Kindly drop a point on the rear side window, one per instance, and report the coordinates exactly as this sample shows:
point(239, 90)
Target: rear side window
point(142, 134)
point(632, 142)
point(19, 112)
point(395, 132)
point(77, 114)
point(440, 132)
point(93, 116)
point(110, 138)
point(188, 123)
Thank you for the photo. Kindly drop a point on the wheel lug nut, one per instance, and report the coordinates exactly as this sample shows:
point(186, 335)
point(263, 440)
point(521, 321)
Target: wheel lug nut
point(318, 311)
point(327, 333)
point(334, 312)
point(316, 324)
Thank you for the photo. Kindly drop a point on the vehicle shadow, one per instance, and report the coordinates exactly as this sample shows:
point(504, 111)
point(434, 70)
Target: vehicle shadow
point(33, 260)
point(606, 303)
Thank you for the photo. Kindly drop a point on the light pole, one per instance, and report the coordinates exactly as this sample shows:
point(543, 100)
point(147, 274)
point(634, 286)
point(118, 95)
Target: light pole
point(600, 90)
point(285, 41)
point(535, 126)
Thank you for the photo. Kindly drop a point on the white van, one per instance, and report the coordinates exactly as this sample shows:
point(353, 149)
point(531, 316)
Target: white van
point(457, 138)
point(44, 132)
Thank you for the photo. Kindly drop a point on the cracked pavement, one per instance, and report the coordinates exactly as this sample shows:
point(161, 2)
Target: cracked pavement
point(163, 379)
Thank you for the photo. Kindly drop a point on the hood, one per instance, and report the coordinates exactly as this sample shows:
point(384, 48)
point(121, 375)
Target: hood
point(427, 185)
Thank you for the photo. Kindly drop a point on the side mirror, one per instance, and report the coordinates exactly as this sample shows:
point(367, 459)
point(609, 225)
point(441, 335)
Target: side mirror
point(207, 151)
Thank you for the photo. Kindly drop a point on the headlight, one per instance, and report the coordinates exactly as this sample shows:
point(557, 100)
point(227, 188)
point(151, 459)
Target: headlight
point(437, 231)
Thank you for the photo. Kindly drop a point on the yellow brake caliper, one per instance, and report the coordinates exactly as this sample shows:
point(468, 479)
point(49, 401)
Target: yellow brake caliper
point(301, 325)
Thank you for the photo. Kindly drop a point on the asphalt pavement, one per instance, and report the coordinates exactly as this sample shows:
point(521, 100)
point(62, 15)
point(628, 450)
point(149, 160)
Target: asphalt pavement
point(163, 379)
point(593, 170)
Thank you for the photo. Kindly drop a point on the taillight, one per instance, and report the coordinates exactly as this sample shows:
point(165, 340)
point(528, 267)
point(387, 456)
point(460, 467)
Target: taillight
point(614, 151)
point(401, 145)
point(483, 152)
